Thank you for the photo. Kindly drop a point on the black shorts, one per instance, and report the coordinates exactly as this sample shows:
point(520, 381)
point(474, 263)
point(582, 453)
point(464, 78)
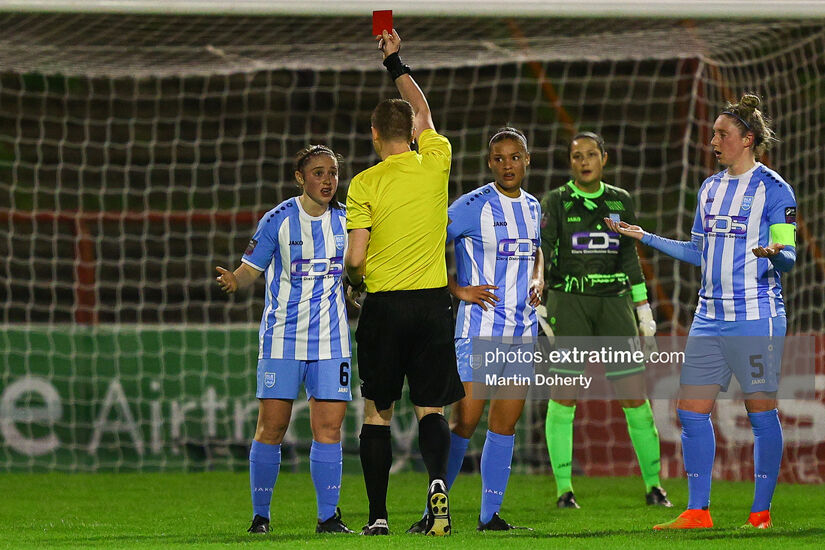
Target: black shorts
point(408, 333)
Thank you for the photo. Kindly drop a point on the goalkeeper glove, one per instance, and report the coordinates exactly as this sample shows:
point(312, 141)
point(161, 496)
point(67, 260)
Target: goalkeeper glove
point(647, 329)
point(647, 326)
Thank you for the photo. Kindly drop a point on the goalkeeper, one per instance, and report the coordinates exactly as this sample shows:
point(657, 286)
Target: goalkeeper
point(594, 280)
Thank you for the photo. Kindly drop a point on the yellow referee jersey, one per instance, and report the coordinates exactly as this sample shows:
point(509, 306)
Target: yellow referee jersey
point(403, 201)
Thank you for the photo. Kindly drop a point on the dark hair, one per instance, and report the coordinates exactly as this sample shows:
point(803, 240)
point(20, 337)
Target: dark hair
point(586, 135)
point(747, 116)
point(303, 156)
point(508, 132)
point(393, 118)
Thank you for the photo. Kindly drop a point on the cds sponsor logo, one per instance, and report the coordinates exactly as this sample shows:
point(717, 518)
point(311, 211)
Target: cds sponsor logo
point(734, 225)
point(317, 267)
point(595, 241)
point(516, 248)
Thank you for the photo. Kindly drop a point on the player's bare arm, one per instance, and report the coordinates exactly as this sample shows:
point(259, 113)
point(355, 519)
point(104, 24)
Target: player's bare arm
point(390, 44)
point(537, 280)
point(242, 277)
point(479, 295)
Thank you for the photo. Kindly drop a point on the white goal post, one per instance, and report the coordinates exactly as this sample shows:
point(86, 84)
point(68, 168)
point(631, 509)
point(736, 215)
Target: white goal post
point(760, 9)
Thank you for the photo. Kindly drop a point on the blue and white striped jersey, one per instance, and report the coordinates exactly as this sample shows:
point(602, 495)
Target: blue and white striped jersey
point(496, 238)
point(304, 316)
point(733, 216)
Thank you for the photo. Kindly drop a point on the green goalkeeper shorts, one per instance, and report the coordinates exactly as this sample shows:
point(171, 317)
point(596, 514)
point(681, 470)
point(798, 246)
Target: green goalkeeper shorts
point(609, 316)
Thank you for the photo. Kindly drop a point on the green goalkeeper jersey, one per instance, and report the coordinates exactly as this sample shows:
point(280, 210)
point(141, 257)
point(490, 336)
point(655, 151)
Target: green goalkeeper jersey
point(581, 255)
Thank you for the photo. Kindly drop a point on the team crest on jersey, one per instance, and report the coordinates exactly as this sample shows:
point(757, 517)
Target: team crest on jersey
point(269, 379)
point(615, 217)
point(250, 248)
point(747, 202)
point(339, 242)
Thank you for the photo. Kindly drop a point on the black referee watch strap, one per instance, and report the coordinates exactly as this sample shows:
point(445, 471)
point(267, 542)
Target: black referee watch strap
point(359, 287)
point(395, 66)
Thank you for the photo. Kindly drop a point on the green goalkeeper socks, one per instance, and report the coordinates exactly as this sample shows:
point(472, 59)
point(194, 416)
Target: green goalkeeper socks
point(645, 438)
point(558, 429)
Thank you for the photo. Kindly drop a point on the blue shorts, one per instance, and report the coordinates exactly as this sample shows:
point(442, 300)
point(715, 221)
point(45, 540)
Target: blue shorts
point(513, 359)
point(750, 350)
point(323, 379)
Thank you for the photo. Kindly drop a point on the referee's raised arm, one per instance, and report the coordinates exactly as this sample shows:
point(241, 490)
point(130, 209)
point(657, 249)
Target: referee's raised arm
point(390, 45)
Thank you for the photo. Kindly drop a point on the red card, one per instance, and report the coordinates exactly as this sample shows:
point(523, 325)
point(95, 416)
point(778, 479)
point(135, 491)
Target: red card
point(381, 21)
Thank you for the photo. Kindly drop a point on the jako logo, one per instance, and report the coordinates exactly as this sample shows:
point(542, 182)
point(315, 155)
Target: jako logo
point(595, 240)
point(726, 224)
point(516, 247)
point(317, 267)
point(500, 224)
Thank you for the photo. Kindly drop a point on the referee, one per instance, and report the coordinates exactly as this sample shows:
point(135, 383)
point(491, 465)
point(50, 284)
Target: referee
point(397, 223)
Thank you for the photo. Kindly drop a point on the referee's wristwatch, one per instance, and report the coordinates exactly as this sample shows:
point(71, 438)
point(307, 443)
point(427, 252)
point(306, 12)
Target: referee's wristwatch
point(359, 287)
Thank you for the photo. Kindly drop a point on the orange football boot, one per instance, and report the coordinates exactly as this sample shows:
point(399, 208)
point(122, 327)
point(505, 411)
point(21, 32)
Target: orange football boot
point(689, 519)
point(759, 520)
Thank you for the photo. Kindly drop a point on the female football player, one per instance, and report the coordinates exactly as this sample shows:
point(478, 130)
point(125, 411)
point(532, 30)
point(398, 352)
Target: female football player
point(743, 238)
point(304, 336)
point(499, 280)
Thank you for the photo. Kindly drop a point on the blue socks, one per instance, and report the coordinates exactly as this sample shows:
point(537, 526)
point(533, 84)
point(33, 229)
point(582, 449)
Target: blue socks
point(325, 463)
point(264, 465)
point(458, 448)
point(767, 456)
point(698, 451)
point(495, 472)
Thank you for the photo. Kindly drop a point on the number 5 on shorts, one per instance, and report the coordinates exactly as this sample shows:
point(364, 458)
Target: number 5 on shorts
point(756, 364)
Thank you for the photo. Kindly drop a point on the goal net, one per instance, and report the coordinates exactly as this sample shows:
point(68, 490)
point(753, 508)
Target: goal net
point(137, 152)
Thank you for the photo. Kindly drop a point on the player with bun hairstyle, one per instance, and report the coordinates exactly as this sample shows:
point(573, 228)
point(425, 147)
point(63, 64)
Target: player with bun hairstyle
point(304, 336)
point(499, 280)
point(743, 238)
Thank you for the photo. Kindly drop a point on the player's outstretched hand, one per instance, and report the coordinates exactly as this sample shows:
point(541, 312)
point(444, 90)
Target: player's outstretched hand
point(479, 295)
point(536, 290)
point(389, 43)
point(768, 251)
point(624, 228)
point(226, 280)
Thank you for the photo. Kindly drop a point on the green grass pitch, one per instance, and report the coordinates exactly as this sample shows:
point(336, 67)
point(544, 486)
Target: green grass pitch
point(213, 510)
